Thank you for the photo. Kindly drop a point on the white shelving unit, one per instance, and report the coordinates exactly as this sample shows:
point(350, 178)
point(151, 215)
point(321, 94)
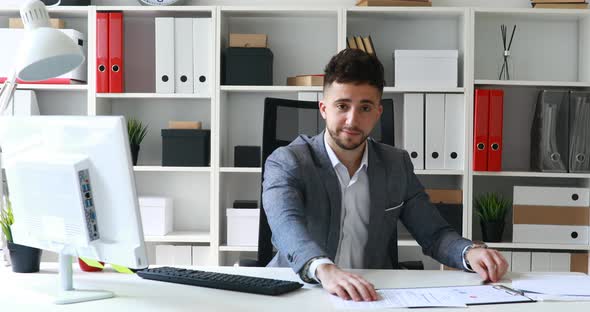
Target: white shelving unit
point(550, 50)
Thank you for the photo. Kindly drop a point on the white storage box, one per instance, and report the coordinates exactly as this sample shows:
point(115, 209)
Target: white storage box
point(173, 255)
point(156, 215)
point(242, 227)
point(11, 40)
point(426, 68)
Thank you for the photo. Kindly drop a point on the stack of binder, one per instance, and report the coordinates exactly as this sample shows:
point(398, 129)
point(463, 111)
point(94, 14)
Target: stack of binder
point(183, 60)
point(560, 134)
point(488, 123)
point(109, 52)
point(433, 130)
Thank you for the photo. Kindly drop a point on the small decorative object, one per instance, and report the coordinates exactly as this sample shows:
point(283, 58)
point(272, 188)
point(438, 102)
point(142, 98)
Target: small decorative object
point(507, 65)
point(492, 209)
point(137, 131)
point(160, 2)
point(24, 259)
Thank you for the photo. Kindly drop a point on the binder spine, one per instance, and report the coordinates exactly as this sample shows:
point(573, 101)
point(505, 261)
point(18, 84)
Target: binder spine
point(102, 52)
point(116, 67)
point(480, 137)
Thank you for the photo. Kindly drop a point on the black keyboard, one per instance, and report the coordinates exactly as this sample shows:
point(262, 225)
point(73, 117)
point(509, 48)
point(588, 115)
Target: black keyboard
point(256, 285)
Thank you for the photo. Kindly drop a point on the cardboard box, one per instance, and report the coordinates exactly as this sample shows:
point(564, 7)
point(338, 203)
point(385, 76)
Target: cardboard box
point(445, 196)
point(16, 22)
point(426, 68)
point(184, 125)
point(248, 40)
point(393, 3)
point(306, 80)
point(242, 227)
point(156, 215)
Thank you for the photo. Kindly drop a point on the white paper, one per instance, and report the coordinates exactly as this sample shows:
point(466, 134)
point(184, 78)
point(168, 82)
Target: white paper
point(454, 296)
point(572, 285)
point(403, 298)
point(544, 297)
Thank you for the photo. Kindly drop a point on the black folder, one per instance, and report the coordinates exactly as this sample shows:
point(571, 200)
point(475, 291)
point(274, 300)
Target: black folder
point(579, 147)
point(550, 132)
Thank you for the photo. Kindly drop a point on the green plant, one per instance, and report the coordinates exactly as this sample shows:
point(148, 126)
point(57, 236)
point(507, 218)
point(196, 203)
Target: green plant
point(136, 130)
point(491, 207)
point(6, 220)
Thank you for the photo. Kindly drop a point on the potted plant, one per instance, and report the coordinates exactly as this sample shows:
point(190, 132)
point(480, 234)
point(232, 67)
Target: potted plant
point(492, 209)
point(136, 131)
point(24, 259)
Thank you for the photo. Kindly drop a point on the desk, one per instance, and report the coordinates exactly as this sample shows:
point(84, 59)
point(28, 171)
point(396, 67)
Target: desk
point(19, 292)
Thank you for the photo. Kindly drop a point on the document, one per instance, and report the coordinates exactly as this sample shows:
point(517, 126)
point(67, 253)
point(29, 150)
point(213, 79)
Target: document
point(459, 296)
point(562, 285)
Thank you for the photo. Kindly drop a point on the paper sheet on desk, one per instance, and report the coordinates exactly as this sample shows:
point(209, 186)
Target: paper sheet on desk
point(404, 298)
point(573, 285)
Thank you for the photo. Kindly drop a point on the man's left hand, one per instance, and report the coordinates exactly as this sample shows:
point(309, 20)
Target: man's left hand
point(488, 263)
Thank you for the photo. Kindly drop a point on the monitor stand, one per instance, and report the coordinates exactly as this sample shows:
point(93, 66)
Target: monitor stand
point(66, 293)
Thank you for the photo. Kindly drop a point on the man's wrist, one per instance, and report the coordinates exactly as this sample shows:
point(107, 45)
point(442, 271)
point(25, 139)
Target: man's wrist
point(467, 248)
point(307, 273)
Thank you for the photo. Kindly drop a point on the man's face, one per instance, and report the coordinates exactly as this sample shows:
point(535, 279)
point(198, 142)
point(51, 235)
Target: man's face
point(351, 111)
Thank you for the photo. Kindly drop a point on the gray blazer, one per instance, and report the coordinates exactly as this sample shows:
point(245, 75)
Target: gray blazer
point(302, 200)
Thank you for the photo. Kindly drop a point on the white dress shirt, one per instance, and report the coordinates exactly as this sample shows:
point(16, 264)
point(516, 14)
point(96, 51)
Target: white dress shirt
point(355, 212)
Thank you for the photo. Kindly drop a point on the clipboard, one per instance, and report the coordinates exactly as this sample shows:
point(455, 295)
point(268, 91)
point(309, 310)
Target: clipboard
point(490, 294)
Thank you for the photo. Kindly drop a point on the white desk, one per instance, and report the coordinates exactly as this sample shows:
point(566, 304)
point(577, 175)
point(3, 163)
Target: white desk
point(19, 292)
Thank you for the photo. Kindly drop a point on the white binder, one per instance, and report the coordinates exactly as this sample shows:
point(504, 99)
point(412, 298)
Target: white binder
point(183, 55)
point(508, 256)
point(413, 136)
point(454, 131)
point(521, 261)
point(560, 262)
point(540, 262)
point(551, 196)
point(202, 56)
point(164, 54)
point(308, 118)
point(23, 103)
point(434, 143)
point(550, 234)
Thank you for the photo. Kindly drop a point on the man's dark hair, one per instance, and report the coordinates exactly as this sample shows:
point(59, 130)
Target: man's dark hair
point(354, 66)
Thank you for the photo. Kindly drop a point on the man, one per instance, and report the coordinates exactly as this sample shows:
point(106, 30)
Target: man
point(333, 200)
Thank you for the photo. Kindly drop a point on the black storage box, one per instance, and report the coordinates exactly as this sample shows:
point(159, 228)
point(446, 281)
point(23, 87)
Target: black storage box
point(453, 214)
point(186, 147)
point(247, 66)
point(245, 204)
point(246, 156)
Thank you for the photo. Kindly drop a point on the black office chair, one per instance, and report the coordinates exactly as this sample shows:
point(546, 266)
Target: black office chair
point(284, 120)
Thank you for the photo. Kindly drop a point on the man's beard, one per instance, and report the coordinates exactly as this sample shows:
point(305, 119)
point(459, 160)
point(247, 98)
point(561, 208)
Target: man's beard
point(343, 145)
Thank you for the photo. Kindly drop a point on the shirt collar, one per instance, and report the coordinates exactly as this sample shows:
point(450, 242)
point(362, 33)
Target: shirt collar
point(334, 159)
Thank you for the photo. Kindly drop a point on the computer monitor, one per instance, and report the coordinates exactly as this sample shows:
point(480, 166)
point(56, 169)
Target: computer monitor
point(73, 192)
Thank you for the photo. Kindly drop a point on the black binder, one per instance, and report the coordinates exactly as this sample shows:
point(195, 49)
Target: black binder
point(579, 140)
point(550, 132)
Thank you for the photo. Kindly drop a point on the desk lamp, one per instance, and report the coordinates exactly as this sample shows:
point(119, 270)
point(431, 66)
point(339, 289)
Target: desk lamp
point(44, 53)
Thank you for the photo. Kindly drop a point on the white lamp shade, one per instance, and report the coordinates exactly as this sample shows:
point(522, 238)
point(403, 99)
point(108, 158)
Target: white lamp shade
point(47, 53)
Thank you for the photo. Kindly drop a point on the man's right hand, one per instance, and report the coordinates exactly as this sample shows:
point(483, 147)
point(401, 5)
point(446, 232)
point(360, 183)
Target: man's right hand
point(344, 284)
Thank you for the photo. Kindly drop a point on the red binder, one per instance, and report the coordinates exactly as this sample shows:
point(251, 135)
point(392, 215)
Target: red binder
point(495, 130)
point(102, 52)
point(116, 52)
point(480, 130)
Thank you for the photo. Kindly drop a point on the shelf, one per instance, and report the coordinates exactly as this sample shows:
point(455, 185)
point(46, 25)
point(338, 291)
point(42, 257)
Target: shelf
point(238, 248)
point(51, 87)
point(240, 170)
point(532, 83)
point(441, 172)
point(538, 246)
point(422, 90)
point(182, 237)
point(271, 89)
point(170, 169)
point(530, 174)
point(150, 96)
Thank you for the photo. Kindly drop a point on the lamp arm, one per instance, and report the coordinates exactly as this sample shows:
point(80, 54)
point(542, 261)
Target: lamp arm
point(7, 92)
